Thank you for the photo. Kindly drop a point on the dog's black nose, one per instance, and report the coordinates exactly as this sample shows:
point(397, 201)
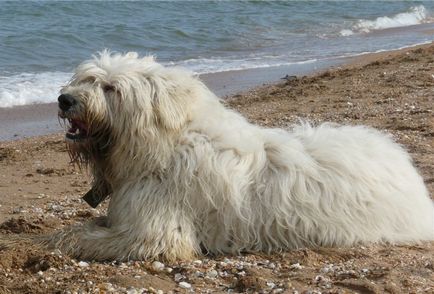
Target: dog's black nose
point(66, 101)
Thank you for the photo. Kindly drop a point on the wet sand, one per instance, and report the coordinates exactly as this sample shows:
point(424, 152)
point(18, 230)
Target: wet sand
point(391, 91)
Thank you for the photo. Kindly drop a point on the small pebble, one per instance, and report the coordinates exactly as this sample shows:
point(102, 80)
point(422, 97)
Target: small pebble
point(184, 285)
point(212, 274)
point(296, 266)
point(327, 268)
point(106, 287)
point(179, 277)
point(131, 290)
point(157, 266)
point(197, 262)
point(83, 264)
point(169, 269)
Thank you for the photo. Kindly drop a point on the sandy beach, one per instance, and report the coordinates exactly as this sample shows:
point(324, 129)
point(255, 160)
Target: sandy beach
point(392, 91)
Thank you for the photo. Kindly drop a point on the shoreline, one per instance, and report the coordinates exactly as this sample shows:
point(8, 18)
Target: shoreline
point(28, 121)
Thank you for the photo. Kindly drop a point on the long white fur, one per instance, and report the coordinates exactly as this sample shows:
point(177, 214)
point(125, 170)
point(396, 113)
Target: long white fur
point(189, 175)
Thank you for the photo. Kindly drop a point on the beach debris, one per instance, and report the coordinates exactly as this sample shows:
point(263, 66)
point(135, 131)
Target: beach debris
point(45, 171)
point(18, 210)
point(289, 78)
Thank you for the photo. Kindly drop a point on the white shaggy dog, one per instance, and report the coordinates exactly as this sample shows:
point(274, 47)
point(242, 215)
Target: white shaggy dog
point(186, 175)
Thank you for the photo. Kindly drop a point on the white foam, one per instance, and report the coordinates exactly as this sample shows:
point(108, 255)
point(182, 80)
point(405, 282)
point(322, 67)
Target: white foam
point(213, 65)
point(346, 33)
point(414, 16)
point(31, 88)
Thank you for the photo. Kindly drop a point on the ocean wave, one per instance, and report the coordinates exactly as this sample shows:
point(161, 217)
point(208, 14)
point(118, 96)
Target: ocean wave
point(414, 16)
point(31, 88)
point(214, 65)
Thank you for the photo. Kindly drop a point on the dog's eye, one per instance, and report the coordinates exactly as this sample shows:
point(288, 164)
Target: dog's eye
point(107, 88)
point(88, 80)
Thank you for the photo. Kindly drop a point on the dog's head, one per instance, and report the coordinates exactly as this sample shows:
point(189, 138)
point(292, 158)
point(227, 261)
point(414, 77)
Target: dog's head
point(116, 98)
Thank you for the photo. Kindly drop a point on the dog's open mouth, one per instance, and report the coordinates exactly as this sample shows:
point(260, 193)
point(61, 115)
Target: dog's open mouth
point(78, 131)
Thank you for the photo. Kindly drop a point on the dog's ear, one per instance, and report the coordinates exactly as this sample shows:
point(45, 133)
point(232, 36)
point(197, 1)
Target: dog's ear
point(171, 108)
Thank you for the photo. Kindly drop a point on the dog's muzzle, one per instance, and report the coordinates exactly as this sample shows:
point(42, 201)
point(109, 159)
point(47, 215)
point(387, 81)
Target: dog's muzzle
point(78, 129)
point(66, 101)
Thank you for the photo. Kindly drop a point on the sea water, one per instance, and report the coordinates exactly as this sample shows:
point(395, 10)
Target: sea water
point(42, 41)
